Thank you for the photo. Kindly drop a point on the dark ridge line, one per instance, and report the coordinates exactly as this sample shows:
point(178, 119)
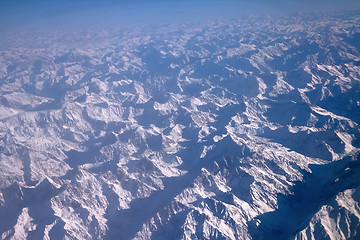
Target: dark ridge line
point(128, 222)
point(295, 211)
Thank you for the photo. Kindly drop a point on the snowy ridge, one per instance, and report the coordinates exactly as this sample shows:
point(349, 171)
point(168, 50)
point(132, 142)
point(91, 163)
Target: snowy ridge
point(212, 131)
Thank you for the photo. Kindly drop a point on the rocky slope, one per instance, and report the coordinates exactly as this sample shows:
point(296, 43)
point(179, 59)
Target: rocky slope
point(238, 129)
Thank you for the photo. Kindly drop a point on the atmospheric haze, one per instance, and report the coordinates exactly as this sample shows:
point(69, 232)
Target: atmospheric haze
point(40, 14)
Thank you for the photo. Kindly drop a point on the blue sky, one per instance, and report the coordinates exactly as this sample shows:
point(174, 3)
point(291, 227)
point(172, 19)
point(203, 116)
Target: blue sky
point(80, 13)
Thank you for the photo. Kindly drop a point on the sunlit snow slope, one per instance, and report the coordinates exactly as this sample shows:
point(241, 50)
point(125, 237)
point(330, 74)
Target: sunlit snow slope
point(241, 129)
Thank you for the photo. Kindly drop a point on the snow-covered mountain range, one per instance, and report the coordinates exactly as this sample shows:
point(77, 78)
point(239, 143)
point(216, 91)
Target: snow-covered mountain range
point(237, 129)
